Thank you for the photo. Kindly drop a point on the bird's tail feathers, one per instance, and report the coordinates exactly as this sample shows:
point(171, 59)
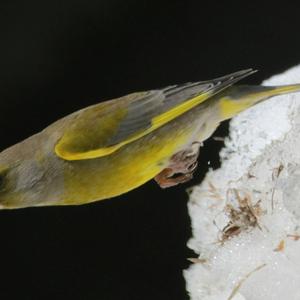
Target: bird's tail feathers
point(283, 89)
point(240, 97)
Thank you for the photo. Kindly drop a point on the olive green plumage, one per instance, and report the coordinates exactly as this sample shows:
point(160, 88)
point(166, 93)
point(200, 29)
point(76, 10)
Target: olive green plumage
point(113, 147)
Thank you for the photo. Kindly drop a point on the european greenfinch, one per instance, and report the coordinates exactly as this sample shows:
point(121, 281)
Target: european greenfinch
point(115, 146)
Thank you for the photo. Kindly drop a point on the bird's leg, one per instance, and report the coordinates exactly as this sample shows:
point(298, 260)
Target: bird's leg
point(181, 167)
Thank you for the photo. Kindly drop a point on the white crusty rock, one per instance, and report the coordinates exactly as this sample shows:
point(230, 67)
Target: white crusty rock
point(246, 215)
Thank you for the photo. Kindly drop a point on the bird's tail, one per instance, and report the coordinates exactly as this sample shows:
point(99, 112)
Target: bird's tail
point(284, 89)
point(269, 91)
point(238, 98)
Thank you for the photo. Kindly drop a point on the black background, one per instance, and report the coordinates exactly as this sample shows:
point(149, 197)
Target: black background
point(59, 56)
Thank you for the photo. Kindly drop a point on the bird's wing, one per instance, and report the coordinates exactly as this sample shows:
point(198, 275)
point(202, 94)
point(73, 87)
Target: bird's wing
point(102, 129)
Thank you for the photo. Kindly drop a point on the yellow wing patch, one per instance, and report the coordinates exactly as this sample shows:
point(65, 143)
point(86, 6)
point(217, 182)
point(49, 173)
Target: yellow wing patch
point(95, 134)
point(79, 145)
point(88, 134)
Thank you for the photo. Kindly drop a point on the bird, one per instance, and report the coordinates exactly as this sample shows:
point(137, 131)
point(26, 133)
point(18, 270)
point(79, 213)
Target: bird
point(115, 146)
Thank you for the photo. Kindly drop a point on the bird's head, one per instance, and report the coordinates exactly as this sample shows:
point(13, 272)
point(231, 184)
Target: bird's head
point(23, 176)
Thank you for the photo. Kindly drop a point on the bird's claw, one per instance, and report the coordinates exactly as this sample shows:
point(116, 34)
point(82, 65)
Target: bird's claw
point(165, 181)
point(181, 168)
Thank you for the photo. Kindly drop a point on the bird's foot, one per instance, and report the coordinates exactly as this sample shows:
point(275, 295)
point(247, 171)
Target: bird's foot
point(181, 168)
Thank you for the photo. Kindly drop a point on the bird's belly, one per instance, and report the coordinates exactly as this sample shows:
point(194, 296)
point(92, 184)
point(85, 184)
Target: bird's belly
point(129, 167)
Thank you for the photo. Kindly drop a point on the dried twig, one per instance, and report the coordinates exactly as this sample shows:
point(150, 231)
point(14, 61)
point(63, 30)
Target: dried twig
point(242, 217)
point(295, 237)
point(275, 174)
point(280, 246)
point(238, 286)
point(197, 260)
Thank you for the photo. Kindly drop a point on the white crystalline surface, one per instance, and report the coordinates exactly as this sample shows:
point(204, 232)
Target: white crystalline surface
point(246, 215)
